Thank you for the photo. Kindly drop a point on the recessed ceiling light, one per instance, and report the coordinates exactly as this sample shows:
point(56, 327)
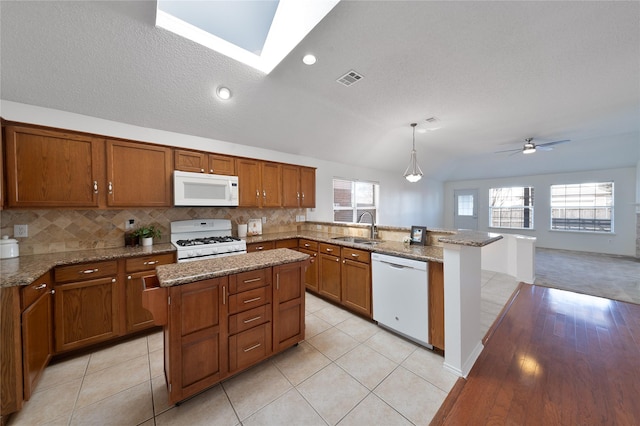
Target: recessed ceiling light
point(309, 59)
point(223, 93)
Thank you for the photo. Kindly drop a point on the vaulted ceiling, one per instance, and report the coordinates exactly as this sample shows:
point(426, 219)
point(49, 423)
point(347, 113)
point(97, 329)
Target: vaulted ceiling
point(493, 73)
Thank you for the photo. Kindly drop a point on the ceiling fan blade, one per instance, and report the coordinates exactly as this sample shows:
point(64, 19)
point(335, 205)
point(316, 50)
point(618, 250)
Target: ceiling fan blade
point(508, 150)
point(543, 148)
point(553, 143)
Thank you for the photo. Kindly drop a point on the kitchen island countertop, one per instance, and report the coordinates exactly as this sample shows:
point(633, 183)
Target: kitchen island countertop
point(188, 272)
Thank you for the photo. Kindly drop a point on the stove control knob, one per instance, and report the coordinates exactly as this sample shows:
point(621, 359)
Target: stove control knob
point(214, 250)
point(199, 252)
point(190, 253)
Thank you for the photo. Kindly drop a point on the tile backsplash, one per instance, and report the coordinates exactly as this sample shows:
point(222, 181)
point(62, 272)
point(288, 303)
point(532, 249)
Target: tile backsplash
point(57, 230)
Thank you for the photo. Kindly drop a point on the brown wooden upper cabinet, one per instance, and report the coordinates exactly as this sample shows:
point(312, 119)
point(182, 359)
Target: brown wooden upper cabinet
point(202, 162)
point(298, 186)
point(259, 183)
point(53, 169)
point(138, 174)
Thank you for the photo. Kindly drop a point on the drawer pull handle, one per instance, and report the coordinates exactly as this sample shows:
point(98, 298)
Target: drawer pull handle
point(255, 299)
point(151, 262)
point(253, 347)
point(89, 271)
point(307, 245)
point(253, 280)
point(329, 250)
point(40, 287)
point(252, 320)
point(355, 255)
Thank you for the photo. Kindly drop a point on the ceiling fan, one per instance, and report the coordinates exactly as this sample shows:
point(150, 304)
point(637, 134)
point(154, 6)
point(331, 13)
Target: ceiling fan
point(530, 147)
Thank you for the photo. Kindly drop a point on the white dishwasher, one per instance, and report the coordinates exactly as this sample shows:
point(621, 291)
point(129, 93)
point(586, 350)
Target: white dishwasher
point(400, 296)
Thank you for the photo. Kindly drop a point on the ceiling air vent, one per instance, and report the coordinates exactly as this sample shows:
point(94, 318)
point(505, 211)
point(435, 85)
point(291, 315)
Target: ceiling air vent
point(350, 78)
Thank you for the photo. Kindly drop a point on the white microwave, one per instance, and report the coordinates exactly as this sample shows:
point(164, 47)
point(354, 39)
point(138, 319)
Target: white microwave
point(201, 189)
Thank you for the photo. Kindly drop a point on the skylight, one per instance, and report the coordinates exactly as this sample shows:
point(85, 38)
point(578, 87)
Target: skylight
point(257, 33)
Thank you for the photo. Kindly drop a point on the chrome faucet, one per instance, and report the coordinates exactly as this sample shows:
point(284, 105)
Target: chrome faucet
point(374, 230)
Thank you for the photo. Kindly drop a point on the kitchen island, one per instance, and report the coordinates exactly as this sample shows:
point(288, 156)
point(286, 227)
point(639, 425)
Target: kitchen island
point(221, 316)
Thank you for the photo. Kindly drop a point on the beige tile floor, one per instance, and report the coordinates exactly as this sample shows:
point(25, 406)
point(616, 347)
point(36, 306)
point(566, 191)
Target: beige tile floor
point(348, 371)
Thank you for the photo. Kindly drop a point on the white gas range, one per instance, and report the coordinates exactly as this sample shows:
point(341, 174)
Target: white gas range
point(200, 239)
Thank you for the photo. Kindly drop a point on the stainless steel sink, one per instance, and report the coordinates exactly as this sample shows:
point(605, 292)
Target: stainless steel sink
point(358, 240)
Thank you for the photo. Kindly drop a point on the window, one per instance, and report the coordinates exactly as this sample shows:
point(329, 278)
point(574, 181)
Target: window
point(465, 205)
point(511, 207)
point(582, 207)
point(352, 198)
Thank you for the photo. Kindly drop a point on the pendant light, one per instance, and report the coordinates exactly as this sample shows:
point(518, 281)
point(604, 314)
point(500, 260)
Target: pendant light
point(413, 172)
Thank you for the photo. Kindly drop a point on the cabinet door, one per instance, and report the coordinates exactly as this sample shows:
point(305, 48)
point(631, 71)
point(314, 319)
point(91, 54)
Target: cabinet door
point(37, 340)
point(436, 304)
point(307, 187)
point(311, 275)
point(271, 185)
point(85, 313)
point(288, 303)
point(53, 169)
point(137, 317)
point(356, 286)
point(190, 161)
point(290, 186)
point(222, 165)
point(198, 351)
point(138, 175)
point(329, 276)
point(249, 184)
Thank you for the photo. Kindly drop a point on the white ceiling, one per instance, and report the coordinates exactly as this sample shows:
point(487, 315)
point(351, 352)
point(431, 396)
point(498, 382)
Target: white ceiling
point(494, 73)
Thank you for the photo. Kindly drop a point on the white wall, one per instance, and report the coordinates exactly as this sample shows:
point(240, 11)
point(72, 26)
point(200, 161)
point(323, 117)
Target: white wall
point(401, 203)
point(621, 242)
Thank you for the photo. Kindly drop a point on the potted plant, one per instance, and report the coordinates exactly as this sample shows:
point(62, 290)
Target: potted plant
point(147, 234)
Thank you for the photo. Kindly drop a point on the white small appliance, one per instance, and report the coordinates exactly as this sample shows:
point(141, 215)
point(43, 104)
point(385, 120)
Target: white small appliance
point(201, 189)
point(200, 239)
point(8, 247)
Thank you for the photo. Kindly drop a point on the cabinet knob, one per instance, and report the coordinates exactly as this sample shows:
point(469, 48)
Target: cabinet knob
point(337, 260)
point(264, 194)
point(298, 195)
point(113, 280)
point(257, 193)
point(303, 195)
point(110, 188)
point(201, 170)
point(211, 171)
point(53, 291)
point(95, 186)
point(128, 277)
point(344, 261)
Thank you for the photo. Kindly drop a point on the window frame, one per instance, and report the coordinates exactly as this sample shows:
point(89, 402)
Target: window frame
point(530, 217)
point(354, 208)
point(580, 207)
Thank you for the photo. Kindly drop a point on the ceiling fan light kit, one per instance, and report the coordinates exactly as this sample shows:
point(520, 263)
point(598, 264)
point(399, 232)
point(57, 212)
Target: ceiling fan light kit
point(413, 173)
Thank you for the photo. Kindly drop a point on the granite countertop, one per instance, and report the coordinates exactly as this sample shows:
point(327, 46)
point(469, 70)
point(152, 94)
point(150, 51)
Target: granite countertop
point(24, 270)
point(188, 272)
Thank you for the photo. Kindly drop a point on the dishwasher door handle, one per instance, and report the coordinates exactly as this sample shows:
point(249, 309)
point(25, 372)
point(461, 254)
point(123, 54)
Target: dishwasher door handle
point(395, 265)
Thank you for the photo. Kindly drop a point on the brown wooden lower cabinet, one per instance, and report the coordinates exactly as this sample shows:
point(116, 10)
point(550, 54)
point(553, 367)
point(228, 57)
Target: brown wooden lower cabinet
point(356, 281)
point(436, 304)
point(86, 312)
point(329, 276)
point(37, 331)
point(218, 327)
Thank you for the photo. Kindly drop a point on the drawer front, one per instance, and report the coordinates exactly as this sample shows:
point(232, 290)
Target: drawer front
point(249, 347)
point(267, 245)
point(249, 299)
point(249, 319)
point(308, 244)
point(329, 249)
point(357, 255)
point(86, 271)
point(146, 263)
point(31, 292)
point(291, 243)
point(249, 280)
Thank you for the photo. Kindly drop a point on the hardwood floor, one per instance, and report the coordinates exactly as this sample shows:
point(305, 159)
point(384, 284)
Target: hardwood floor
point(555, 358)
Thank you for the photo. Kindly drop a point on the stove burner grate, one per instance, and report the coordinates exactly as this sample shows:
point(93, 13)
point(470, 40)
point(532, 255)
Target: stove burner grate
point(206, 240)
